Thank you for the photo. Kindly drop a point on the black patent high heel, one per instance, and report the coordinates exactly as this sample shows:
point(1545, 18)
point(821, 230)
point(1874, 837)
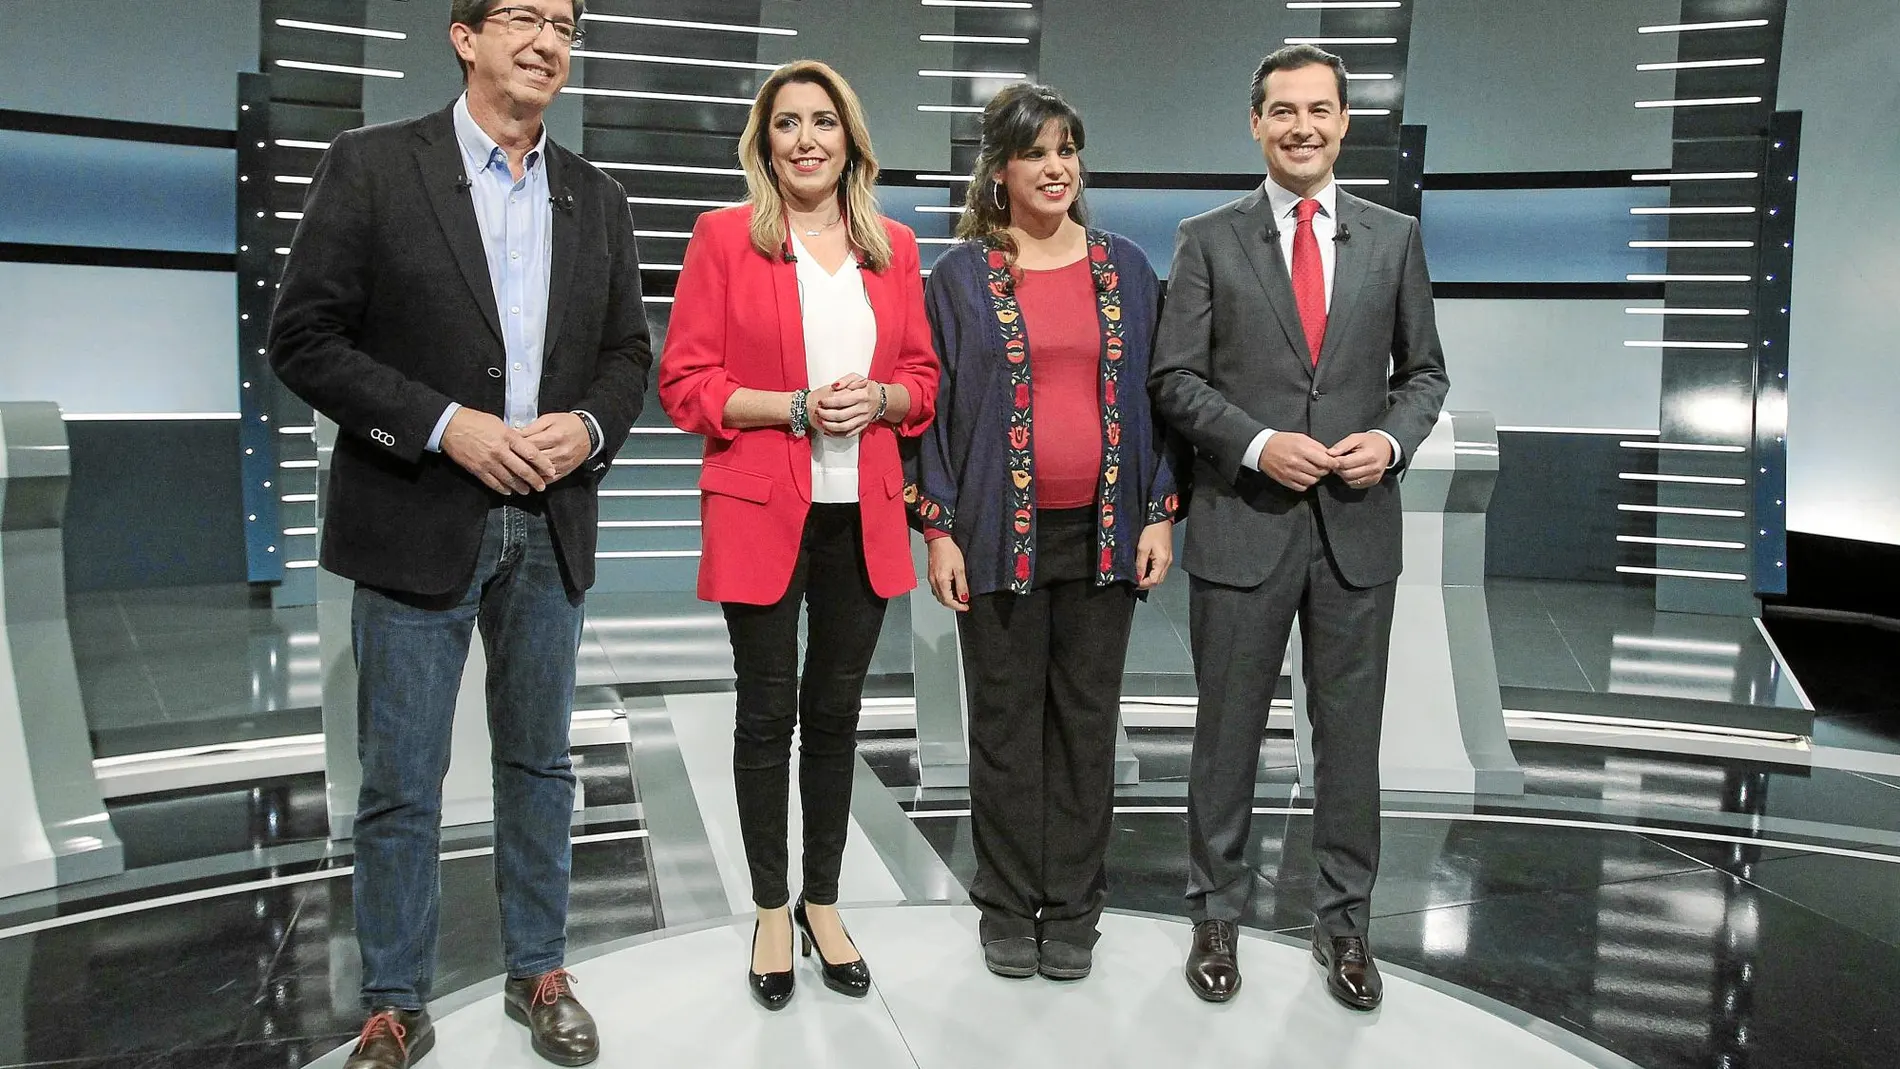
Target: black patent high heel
point(852, 978)
point(773, 990)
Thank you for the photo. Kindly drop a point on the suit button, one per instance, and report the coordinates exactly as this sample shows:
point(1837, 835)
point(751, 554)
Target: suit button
point(1316, 394)
point(494, 373)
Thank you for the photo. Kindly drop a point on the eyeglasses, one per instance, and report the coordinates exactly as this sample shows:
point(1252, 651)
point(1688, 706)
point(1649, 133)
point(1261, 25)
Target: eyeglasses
point(527, 22)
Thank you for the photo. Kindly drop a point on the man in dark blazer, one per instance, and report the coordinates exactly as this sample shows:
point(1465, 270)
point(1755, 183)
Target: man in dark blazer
point(463, 299)
point(1299, 357)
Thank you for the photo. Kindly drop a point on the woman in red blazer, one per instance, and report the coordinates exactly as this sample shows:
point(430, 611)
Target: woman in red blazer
point(800, 349)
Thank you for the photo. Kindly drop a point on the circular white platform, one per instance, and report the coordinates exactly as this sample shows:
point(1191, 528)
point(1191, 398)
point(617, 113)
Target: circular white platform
point(681, 1000)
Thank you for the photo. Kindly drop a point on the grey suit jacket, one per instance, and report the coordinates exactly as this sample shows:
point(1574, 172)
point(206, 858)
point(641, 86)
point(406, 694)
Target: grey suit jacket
point(1231, 360)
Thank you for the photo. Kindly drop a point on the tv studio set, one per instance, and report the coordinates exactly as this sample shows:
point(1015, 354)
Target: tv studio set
point(949, 534)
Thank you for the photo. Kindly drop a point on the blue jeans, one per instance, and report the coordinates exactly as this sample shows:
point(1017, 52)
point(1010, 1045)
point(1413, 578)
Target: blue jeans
point(410, 653)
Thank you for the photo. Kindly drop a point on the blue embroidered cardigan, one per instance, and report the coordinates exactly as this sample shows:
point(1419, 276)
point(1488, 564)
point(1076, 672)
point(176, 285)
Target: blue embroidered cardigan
point(972, 473)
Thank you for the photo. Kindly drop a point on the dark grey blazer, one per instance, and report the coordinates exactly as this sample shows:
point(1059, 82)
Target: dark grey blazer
point(386, 314)
point(1231, 361)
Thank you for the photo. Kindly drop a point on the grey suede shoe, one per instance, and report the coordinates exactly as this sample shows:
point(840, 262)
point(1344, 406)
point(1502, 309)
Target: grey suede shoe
point(1014, 957)
point(1065, 961)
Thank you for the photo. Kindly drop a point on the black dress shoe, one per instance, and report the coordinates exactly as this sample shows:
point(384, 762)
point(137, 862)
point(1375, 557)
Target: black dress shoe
point(1213, 964)
point(770, 989)
point(852, 978)
point(1351, 976)
point(392, 1039)
point(559, 1027)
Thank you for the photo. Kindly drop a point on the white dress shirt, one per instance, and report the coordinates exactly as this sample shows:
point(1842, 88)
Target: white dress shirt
point(840, 336)
point(1286, 219)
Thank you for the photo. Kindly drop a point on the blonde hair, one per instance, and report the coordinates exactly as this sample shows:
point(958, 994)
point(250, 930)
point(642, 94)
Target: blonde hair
point(857, 187)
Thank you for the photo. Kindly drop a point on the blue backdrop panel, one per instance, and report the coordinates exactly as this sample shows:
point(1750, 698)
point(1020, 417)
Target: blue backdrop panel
point(64, 190)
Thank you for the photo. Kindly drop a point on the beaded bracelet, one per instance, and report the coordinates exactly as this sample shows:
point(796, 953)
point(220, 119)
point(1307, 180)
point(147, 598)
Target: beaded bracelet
point(801, 417)
point(883, 402)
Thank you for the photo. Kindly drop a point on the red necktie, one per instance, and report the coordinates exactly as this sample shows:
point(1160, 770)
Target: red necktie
point(1309, 280)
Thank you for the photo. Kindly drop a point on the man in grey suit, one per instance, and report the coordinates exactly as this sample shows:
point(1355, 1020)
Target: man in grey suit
point(1299, 357)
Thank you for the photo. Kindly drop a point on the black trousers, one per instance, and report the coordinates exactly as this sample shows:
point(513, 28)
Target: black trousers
point(845, 616)
point(1239, 639)
point(1045, 674)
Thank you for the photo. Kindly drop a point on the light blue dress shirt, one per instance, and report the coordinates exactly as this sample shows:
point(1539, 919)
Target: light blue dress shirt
point(516, 219)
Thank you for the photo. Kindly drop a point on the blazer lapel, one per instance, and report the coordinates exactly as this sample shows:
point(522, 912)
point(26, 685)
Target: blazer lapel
point(565, 235)
point(791, 324)
point(881, 291)
point(1352, 258)
point(1256, 229)
point(439, 158)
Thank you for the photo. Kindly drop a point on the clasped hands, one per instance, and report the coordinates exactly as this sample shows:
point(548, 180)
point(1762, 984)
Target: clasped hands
point(1297, 461)
point(510, 461)
point(845, 407)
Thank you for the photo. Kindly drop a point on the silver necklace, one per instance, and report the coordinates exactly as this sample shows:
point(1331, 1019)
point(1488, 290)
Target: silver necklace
point(814, 233)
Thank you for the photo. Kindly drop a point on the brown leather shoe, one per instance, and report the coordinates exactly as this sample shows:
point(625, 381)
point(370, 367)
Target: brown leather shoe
point(560, 1028)
point(1351, 976)
point(392, 1039)
point(1213, 965)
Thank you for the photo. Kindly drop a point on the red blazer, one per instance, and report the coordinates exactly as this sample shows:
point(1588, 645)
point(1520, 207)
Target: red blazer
point(736, 322)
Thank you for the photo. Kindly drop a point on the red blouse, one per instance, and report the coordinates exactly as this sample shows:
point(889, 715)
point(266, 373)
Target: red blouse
point(1065, 355)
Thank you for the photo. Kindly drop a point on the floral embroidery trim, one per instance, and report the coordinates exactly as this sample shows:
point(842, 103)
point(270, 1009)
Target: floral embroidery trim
point(1020, 460)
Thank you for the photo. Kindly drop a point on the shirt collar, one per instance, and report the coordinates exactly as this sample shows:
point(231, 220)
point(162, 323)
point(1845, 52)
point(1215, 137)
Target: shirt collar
point(1285, 201)
point(478, 149)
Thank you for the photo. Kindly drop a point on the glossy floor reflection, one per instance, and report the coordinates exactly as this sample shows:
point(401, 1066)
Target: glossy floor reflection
point(1663, 947)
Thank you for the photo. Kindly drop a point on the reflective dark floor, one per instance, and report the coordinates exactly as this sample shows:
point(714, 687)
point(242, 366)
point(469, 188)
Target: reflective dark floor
point(1668, 950)
point(1677, 910)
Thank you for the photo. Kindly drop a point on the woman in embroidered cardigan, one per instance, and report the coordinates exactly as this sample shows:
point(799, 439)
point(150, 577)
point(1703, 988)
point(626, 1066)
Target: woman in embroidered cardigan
point(1048, 497)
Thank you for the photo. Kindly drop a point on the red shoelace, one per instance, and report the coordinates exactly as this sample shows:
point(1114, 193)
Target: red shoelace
point(380, 1024)
point(552, 986)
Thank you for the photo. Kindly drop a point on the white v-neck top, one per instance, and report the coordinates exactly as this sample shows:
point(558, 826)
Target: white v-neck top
point(840, 336)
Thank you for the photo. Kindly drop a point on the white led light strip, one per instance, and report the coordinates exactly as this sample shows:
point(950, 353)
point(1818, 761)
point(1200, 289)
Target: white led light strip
point(681, 202)
point(1694, 480)
point(1690, 27)
point(1686, 311)
point(1642, 344)
point(354, 31)
point(1682, 510)
point(968, 39)
point(1321, 5)
point(642, 94)
point(682, 24)
point(998, 75)
point(678, 61)
point(1698, 209)
point(291, 142)
point(1341, 40)
point(667, 168)
point(954, 109)
point(680, 235)
point(1370, 77)
point(1700, 64)
point(1692, 244)
point(1684, 447)
point(645, 554)
point(107, 417)
point(1688, 278)
point(1694, 176)
point(1687, 543)
point(1010, 5)
point(338, 68)
point(1697, 102)
point(1682, 573)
